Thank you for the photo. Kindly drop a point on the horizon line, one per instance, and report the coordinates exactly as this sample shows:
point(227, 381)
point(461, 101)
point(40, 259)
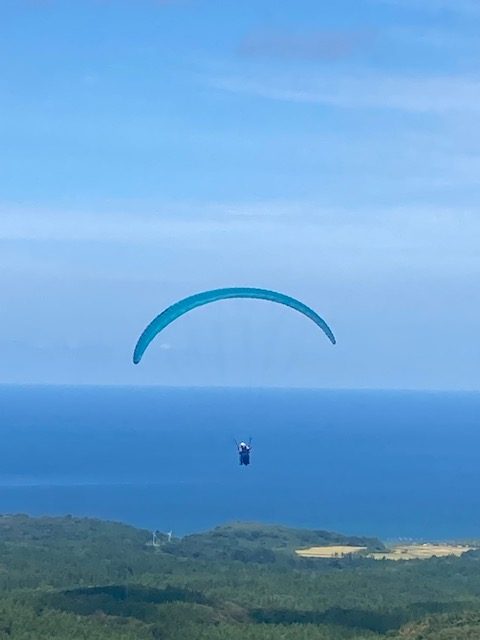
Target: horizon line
point(235, 387)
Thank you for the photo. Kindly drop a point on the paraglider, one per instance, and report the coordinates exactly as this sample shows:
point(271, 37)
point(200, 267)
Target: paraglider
point(244, 452)
point(170, 314)
point(177, 309)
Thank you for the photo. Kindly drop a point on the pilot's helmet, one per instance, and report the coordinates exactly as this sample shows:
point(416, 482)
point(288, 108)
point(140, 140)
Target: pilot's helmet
point(242, 445)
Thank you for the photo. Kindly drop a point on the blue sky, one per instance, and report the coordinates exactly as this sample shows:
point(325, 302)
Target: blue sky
point(151, 149)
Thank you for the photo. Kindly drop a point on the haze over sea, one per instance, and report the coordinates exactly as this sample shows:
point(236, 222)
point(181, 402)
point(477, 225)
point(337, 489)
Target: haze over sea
point(392, 464)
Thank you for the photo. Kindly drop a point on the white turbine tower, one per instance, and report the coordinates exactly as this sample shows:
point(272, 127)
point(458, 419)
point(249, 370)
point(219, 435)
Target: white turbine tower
point(155, 542)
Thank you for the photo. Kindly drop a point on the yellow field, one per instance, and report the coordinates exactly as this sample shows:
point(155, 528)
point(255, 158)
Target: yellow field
point(421, 551)
point(399, 552)
point(328, 552)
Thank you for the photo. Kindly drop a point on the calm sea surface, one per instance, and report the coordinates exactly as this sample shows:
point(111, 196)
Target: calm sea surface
point(392, 464)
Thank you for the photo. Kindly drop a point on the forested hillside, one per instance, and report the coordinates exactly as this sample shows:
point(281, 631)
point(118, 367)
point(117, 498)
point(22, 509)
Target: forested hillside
point(69, 578)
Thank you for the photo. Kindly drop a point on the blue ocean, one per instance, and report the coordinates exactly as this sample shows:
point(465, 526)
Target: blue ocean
point(391, 464)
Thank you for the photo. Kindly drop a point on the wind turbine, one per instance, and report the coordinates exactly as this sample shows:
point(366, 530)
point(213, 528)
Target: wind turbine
point(155, 542)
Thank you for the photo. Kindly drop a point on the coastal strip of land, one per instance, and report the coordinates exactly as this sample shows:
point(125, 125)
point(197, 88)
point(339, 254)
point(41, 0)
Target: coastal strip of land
point(397, 552)
point(336, 551)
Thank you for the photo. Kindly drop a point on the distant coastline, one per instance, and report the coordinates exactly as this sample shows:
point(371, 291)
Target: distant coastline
point(336, 460)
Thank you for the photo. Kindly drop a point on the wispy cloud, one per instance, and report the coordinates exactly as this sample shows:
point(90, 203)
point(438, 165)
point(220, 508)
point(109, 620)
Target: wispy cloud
point(167, 221)
point(422, 94)
point(51, 3)
point(319, 45)
point(412, 235)
point(449, 41)
point(454, 6)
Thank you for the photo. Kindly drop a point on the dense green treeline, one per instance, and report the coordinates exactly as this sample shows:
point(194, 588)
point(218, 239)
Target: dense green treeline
point(68, 578)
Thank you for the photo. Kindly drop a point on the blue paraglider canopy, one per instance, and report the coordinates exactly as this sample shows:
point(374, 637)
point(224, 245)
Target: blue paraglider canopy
point(181, 307)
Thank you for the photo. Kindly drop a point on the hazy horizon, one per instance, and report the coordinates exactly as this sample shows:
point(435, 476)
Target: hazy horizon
point(252, 388)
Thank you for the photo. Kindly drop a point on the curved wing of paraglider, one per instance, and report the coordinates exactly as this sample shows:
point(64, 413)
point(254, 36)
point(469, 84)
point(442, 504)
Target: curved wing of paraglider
point(206, 297)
